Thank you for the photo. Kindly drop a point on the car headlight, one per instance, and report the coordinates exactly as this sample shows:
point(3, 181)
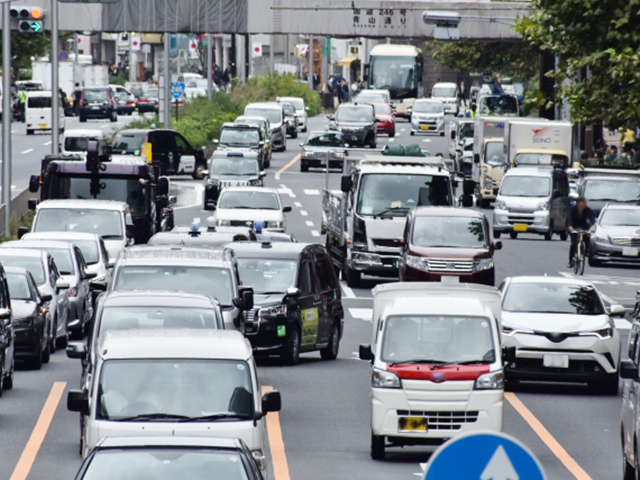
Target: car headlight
point(384, 379)
point(542, 207)
point(307, 154)
point(366, 258)
point(601, 238)
point(499, 205)
point(490, 381)
point(275, 224)
point(212, 181)
point(480, 264)
point(224, 223)
point(421, 263)
point(602, 334)
point(24, 322)
point(273, 311)
point(487, 183)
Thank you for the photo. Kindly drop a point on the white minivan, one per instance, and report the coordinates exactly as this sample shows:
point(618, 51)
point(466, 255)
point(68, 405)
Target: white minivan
point(174, 382)
point(37, 112)
point(437, 363)
point(76, 142)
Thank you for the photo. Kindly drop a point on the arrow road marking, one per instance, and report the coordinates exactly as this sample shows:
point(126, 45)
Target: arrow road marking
point(499, 467)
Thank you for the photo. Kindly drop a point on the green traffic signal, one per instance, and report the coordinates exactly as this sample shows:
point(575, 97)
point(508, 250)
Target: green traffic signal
point(30, 26)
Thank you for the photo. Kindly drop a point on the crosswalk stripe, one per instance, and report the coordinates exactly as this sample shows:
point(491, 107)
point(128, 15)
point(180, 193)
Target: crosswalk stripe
point(311, 192)
point(361, 313)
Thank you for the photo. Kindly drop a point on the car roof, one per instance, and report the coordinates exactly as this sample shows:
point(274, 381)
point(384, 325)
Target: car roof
point(98, 87)
point(445, 84)
point(175, 255)
point(621, 206)
point(170, 343)
point(84, 132)
point(446, 212)
point(173, 441)
point(285, 99)
point(427, 100)
point(530, 172)
point(354, 105)
point(252, 126)
point(204, 238)
point(435, 305)
point(84, 204)
point(16, 270)
point(550, 279)
point(38, 244)
point(38, 93)
point(274, 105)
point(159, 298)
point(325, 132)
point(282, 250)
point(62, 236)
point(23, 252)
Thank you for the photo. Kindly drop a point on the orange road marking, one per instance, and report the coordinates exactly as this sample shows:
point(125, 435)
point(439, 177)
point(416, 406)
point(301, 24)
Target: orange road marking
point(276, 444)
point(290, 164)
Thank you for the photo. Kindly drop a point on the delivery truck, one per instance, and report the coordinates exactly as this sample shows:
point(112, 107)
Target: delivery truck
point(488, 157)
point(538, 142)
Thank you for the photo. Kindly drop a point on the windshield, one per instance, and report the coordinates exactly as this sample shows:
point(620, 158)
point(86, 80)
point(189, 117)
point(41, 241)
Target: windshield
point(548, 297)
point(382, 109)
point(612, 189)
point(444, 92)
point(272, 114)
point(427, 107)
point(521, 186)
point(494, 154)
point(539, 159)
point(18, 286)
point(360, 114)
point(498, 105)
point(95, 95)
point(456, 232)
point(266, 275)
point(122, 189)
point(614, 217)
point(298, 103)
point(62, 257)
point(77, 144)
point(371, 98)
point(39, 102)
point(185, 387)
point(239, 136)
point(33, 265)
point(165, 463)
point(466, 130)
point(234, 166)
point(249, 200)
point(398, 74)
point(289, 110)
point(128, 143)
point(329, 139)
point(136, 317)
point(393, 195)
point(89, 249)
point(261, 121)
point(440, 339)
point(209, 280)
point(106, 223)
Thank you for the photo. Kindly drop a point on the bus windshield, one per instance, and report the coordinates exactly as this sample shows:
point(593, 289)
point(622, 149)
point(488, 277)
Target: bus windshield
point(399, 75)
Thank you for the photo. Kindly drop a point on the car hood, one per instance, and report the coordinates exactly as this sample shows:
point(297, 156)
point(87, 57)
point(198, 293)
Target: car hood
point(242, 214)
point(306, 148)
point(385, 118)
point(22, 308)
point(349, 125)
point(620, 231)
point(234, 178)
point(524, 203)
point(450, 252)
point(555, 322)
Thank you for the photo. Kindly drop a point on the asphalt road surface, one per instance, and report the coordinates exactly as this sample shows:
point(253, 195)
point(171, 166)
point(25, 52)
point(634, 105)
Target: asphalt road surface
point(573, 430)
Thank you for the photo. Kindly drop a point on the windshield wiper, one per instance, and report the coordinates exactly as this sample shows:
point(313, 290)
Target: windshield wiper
point(151, 416)
point(466, 362)
point(415, 361)
point(216, 416)
point(106, 237)
point(65, 273)
point(247, 208)
point(392, 209)
point(267, 293)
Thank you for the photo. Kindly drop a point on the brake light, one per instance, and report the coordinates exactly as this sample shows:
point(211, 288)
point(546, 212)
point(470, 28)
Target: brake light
point(82, 101)
point(72, 292)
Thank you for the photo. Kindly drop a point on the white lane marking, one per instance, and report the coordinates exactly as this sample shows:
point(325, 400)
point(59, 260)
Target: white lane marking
point(426, 140)
point(28, 150)
point(14, 131)
point(347, 290)
point(104, 126)
point(391, 140)
point(286, 191)
point(311, 192)
point(309, 223)
point(47, 143)
point(611, 282)
point(304, 213)
point(199, 192)
point(402, 129)
point(622, 324)
point(315, 233)
point(361, 313)
point(297, 204)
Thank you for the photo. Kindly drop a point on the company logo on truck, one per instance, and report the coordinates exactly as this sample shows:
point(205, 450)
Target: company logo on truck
point(538, 135)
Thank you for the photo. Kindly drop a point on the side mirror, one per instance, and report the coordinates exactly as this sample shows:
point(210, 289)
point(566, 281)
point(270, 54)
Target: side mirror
point(77, 350)
point(306, 109)
point(346, 183)
point(89, 275)
point(617, 310)
point(216, 141)
point(263, 174)
point(293, 292)
point(22, 231)
point(162, 187)
point(245, 301)
point(365, 352)
point(574, 196)
point(331, 117)
point(62, 285)
point(409, 110)
point(286, 209)
point(5, 315)
point(302, 144)
point(78, 401)
point(261, 143)
point(46, 297)
point(111, 263)
point(203, 148)
point(32, 203)
point(453, 134)
point(173, 199)
point(271, 401)
point(400, 241)
point(497, 245)
point(509, 354)
point(34, 183)
point(476, 158)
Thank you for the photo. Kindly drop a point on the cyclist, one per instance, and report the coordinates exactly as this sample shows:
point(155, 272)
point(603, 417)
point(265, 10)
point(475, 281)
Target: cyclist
point(581, 217)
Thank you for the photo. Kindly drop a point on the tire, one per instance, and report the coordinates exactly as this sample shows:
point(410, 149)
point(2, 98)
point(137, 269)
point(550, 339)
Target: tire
point(513, 235)
point(609, 386)
point(82, 119)
point(29, 132)
point(46, 354)
point(392, 134)
point(7, 382)
point(564, 235)
point(442, 134)
point(294, 134)
point(353, 278)
point(580, 266)
point(331, 351)
point(36, 361)
point(412, 133)
point(549, 235)
point(594, 263)
point(303, 166)
point(113, 118)
point(485, 203)
point(496, 234)
point(198, 173)
point(628, 470)
point(2, 370)
point(377, 447)
point(291, 353)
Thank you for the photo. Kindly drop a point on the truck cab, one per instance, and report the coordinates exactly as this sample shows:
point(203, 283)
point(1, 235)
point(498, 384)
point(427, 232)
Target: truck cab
point(488, 158)
point(460, 133)
point(436, 363)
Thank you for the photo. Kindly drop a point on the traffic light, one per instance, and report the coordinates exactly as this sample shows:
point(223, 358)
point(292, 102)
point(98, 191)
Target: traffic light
point(30, 19)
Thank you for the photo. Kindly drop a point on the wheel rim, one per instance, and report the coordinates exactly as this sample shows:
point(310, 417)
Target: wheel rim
point(199, 170)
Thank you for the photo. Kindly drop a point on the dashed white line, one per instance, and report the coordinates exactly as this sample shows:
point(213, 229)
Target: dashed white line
point(426, 140)
point(315, 233)
point(391, 140)
point(286, 191)
point(304, 213)
point(297, 204)
point(402, 129)
point(28, 150)
point(365, 314)
point(309, 223)
point(104, 126)
point(47, 143)
point(347, 290)
point(311, 192)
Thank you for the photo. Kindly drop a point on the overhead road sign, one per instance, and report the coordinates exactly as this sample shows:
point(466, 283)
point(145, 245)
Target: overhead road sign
point(483, 456)
point(177, 89)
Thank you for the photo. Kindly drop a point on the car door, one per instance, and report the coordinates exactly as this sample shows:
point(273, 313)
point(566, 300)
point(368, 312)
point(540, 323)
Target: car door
point(310, 304)
point(630, 405)
point(7, 326)
point(185, 155)
point(162, 149)
point(323, 276)
point(61, 297)
point(83, 284)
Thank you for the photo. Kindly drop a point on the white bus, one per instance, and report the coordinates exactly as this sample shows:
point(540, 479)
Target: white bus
point(397, 68)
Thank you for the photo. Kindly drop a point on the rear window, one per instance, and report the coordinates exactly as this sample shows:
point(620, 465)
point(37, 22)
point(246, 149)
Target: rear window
point(95, 95)
point(39, 102)
point(128, 142)
point(77, 144)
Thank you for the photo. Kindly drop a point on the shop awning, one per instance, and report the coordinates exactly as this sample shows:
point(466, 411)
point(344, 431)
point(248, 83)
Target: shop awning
point(347, 60)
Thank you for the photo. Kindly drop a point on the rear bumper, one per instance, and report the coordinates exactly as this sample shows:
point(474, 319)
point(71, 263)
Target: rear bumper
point(98, 113)
point(377, 264)
point(504, 220)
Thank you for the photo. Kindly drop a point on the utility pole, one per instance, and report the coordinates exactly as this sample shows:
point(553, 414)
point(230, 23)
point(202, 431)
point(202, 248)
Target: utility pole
point(167, 80)
point(132, 73)
point(210, 66)
point(310, 69)
point(6, 116)
point(55, 97)
point(75, 59)
point(271, 49)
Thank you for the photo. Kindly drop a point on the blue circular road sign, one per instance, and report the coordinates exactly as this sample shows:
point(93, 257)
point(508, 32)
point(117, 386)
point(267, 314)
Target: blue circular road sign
point(63, 56)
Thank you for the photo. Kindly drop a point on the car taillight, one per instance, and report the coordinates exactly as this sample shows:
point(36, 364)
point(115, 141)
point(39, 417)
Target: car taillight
point(142, 100)
point(72, 292)
point(81, 101)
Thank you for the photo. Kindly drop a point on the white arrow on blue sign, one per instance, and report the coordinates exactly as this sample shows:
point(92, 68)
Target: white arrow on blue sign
point(484, 456)
point(177, 89)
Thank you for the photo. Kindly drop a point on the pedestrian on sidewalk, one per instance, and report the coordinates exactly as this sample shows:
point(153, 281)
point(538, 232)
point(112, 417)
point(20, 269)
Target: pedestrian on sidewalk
point(627, 138)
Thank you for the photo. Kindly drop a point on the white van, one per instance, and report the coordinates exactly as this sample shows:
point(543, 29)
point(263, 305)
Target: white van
point(167, 382)
point(449, 94)
point(437, 363)
point(38, 112)
point(76, 142)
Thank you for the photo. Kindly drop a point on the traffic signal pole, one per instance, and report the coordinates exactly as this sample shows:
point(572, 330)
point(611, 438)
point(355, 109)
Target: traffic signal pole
point(55, 96)
point(6, 116)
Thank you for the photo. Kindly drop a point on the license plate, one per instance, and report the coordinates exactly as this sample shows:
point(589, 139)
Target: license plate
point(519, 227)
point(42, 125)
point(424, 127)
point(412, 424)
point(555, 361)
point(629, 252)
point(95, 108)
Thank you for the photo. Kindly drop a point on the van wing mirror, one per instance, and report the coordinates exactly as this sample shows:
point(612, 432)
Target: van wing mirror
point(22, 231)
point(46, 297)
point(509, 354)
point(162, 188)
point(476, 158)
point(365, 352)
point(346, 183)
point(245, 300)
point(271, 401)
point(453, 134)
point(617, 310)
point(78, 401)
point(628, 371)
point(34, 183)
point(77, 350)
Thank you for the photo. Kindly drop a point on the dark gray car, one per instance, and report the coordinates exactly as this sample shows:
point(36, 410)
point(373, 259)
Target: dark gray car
point(320, 144)
point(357, 124)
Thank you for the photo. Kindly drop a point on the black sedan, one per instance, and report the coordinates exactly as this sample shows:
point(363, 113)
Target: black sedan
point(31, 320)
point(318, 146)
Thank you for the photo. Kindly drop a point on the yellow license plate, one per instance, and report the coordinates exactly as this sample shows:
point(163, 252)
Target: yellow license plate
point(519, 227)
point(412, 424)
point(42, 125)
point(424, 127)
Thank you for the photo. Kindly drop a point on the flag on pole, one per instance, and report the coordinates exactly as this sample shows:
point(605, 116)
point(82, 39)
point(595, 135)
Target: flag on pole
point(257, 49)
point(135, 43)
point(193, 45)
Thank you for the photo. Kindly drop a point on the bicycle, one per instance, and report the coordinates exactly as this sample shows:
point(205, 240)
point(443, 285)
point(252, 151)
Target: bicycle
point(580, 255)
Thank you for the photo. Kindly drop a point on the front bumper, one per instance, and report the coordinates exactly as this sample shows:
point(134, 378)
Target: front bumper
point(608, 252)
point(27, 341)
point(436, 127)
point(536, 222)
point(483, 277)
point(318, 162)
point(267, 335)
point(450, 410)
